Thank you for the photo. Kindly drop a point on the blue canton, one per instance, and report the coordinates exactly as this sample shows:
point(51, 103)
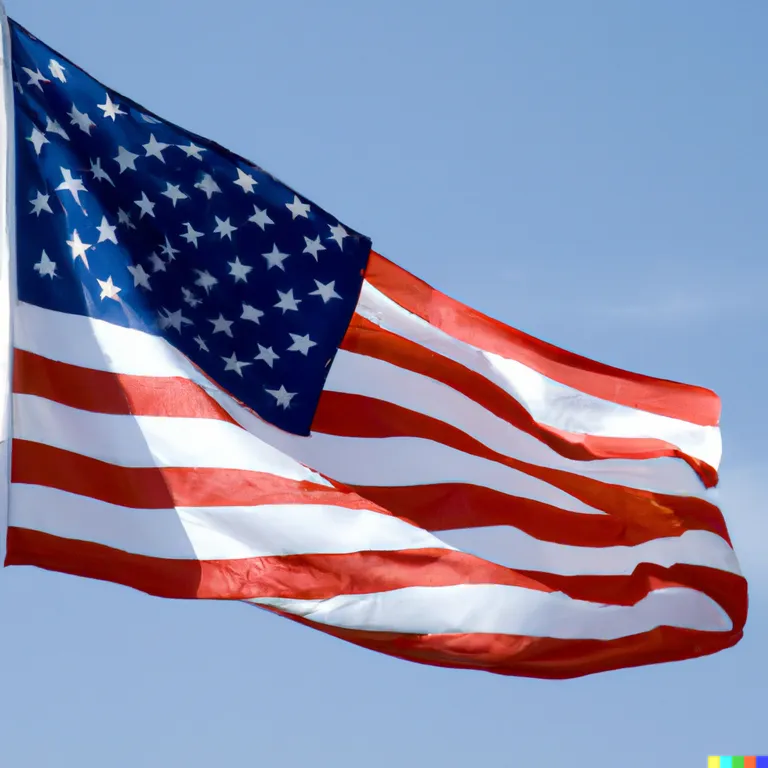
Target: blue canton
point(126, 218)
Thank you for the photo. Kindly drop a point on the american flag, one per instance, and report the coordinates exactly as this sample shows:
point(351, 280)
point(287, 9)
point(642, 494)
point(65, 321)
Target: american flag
point(220, 391)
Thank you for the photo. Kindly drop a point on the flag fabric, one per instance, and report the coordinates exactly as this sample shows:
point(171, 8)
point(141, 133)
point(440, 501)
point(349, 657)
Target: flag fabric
point(220, 391)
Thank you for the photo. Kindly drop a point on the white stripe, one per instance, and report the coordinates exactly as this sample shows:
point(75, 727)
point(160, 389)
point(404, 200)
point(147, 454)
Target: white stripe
point(406, 461)
point(214, 533)
point(151, 441)
point(361, 375)
point(508, 610)
point(99, 345)
point(548, 401)
point(515, 549)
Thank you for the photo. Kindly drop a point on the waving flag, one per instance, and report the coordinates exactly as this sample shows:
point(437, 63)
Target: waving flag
point(220, 391)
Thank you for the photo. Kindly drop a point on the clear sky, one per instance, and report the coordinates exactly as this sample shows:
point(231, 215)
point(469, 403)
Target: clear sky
point(594, 173)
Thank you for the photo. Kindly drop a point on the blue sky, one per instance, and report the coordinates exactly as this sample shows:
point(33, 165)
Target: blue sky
point(591, 172)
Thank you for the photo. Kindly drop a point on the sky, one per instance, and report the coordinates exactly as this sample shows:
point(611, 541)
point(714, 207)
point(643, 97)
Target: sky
point(593, 173)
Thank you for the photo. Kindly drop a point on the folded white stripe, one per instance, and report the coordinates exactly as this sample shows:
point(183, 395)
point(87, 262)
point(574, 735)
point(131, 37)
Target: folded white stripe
point(361, 375)
point(150, 441)
point(100, 345)
point(214, 533)
point(410, 461)
point(514, 548)
point(496, 608)
point(548, 401)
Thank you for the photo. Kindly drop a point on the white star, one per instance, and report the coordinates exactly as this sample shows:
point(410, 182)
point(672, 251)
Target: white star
point(79, 248)
point(205, 280)
point(168, 250)
point(57, 70)
point(326, 291)
point(37, 137)
point(267, 355)
point(45, 267)
point(233, 364)
point(208, 185)
point(158, 265)
point(190, 298)
point(313, 247)
point(245, 180)
point(174, 193)
point(75, 186)
point(192, 151)
point(154, 148)
point(287, 302)
point(53, 127)
point(125, 219)
point(40, 203)
point(222, 325)
point(223, 228)
point(297, 208)
point(282, 396)
point(338, 233)
point(200, 343)
point(140, 277)
point(125, 159)
point(109, 109)
point(145, 206)
point(174, 320)
point(275, 258)
point(81, 120)
point(17, 86)
point(99, 173)
point(260, 217)
point(191, 236)
point(238, 270)
point(106, 232)
point(301, 344)
point(251, 313)
point(108, 289)
point(36, 77)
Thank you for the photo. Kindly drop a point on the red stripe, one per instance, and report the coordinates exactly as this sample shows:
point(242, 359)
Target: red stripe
point(365, 338)
point(453, 506)
point(321, 576)
point(167, 487)
point(106, 392)
point(547, 658)
point(634, 515)
point(666, 398)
